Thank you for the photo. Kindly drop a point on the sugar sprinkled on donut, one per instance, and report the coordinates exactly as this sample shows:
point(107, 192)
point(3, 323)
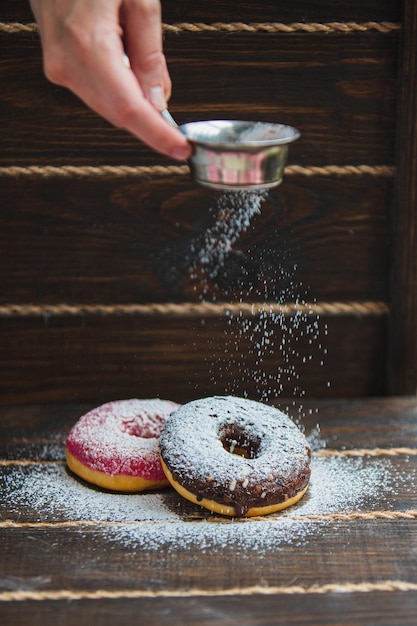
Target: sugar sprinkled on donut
point(235, 456)
point(115, 445)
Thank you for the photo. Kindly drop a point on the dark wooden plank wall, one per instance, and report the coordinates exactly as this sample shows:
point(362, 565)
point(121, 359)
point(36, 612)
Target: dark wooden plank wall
point(265, 11)
point(106, 238)
point(403, 337)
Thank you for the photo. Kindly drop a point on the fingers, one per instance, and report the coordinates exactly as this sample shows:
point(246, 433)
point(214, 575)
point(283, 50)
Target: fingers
point(141, 20)
point(84, 51)
point(117, 95)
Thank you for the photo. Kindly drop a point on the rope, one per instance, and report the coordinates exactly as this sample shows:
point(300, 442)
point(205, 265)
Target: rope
point(27, 462)
point(342, 517)
point(118, 171)
point(340, 170)
point(81, 171)
point(367, 452)
point(191, 309)
point(285, 517)
point(115, 594)
point(236, 27)
point(17, 27)
point(278, 27)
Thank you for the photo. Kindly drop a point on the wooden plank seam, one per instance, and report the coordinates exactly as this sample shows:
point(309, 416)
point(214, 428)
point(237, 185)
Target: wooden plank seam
point(115, 594)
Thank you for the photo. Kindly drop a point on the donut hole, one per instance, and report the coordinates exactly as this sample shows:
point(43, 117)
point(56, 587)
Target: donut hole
point(238, 441)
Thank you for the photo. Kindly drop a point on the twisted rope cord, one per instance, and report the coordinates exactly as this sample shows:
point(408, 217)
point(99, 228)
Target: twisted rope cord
point(367, 452)
point(349, 517)
point(233, 27)
point(356, 452)
point(27, 462)
point(17, 27)
point(117, 171)
point(70, 171)
point(411, 514)
point(112, 594)
point(279, 27)
point(191, 309)
point(340, 170)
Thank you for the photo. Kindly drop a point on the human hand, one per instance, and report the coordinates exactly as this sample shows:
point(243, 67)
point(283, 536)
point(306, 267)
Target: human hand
point(85, 43)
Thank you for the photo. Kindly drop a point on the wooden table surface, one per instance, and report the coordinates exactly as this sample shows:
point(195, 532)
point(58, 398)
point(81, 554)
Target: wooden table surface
point(347, 553)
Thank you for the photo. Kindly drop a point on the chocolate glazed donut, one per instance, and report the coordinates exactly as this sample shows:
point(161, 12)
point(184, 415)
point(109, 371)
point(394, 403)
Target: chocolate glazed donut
point(235, 456)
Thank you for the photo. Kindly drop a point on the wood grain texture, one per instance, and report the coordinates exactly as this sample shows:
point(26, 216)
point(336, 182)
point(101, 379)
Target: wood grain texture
point(32, 432)
point(89, 551)
point(126, 240)
point(357, 567)
point(312, 609)
point(133, 241)
point(79, 359)
point(403, 339)
point(349, 116)
point(267, 11)
point(86, 241)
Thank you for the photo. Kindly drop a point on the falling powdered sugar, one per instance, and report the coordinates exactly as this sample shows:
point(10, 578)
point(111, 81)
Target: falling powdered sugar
point(269, 351)
point(233, 215)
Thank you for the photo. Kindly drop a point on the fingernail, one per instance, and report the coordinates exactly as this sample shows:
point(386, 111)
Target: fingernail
point(156, 96)
point(180, 153)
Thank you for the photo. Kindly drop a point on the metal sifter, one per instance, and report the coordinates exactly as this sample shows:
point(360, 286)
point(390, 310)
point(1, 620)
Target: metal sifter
point(232, 154)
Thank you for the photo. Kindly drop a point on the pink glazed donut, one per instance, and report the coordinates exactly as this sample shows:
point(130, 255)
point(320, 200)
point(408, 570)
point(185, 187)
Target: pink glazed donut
point(115, 445)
